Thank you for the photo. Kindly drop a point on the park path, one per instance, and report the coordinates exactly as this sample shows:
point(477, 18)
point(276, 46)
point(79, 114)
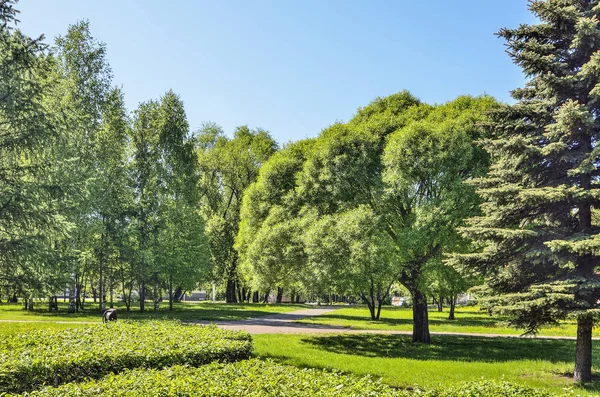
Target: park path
point(284, 323)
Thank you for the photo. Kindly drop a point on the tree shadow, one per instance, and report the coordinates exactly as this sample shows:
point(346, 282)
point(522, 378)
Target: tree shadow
point(451, 348)
point(461, 320)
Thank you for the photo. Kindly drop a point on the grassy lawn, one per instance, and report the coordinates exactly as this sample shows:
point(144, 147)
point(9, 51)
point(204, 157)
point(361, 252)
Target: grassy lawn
point(468, 320)
point(184, 311)
point(448, 360)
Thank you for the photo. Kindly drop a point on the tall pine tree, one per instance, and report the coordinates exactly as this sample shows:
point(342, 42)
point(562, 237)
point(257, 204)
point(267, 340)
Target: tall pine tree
point(538, 244)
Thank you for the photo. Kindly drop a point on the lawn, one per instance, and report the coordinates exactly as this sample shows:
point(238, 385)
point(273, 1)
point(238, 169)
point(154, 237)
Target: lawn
point(184, 311)
point(468, 320)
point(447, 361)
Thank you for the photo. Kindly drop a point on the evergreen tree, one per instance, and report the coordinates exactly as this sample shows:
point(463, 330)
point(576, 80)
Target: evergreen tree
point(29, 223)
point(538, 243)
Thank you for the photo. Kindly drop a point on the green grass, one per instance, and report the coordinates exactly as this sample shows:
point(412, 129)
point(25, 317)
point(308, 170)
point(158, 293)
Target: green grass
point(184, 311)
point(468, 320)
point(447, 361)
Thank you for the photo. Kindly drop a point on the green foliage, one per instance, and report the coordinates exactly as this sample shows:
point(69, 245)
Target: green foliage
point(388, 183)
point(266, 378)
point(355, 255)
point(228, 167)
point(537, 240)
point(30, 224)
point(55, 356)
point(491, 389)
point(248, 378)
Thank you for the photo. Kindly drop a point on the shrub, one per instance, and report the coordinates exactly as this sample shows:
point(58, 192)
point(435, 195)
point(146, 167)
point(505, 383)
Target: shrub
point(490, 389)
point(33, 359)
point(250, 378)
point(256, 378)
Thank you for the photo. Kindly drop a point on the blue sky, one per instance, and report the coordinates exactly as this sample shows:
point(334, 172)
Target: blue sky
point(293, 67)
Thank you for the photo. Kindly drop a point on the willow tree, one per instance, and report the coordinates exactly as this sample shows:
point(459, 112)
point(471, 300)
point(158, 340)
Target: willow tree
point(426, 199)
point(269, 241)
point(539, 245)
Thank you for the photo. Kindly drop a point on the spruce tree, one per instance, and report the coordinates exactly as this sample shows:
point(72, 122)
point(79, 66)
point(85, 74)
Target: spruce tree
point(538, 242)
point(29, 223)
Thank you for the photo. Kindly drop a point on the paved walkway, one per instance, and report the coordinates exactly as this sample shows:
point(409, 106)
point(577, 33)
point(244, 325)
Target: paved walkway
point(284, 323)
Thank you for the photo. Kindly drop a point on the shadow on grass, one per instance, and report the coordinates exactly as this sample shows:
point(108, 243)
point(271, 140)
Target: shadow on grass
point(451, 348)
point(181, 311)
point(461, 320)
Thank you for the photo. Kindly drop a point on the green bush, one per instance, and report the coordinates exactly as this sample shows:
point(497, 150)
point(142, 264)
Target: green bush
point(250, 378)
point(256, 378)
point(489, 389)
point(34, 359)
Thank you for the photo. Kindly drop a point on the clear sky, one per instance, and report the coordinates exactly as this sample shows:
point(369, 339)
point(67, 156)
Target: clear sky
point(293, 67)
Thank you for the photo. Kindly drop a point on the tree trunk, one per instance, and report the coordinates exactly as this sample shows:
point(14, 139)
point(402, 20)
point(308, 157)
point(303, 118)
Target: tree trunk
point(266, 300)
point(78, 304)
point(452, 306)
point(142, 297)
point(371, 308)
point(440, 304)
point(420, 318)
point(239, 291)
point(279, 294)
point(230, 291)
point(583, 351)
point(255, 297)
point(170, 292)
point(379, 303)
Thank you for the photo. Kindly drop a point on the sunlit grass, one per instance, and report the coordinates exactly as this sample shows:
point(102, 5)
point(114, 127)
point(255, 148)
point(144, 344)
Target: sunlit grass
point(184, 311)
point(447, 361)
point(468, 320)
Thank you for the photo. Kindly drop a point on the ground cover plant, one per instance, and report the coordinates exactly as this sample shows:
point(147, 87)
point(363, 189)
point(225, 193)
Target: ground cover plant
point(183, 311)
point(54, 356)
point(10, 328)
point(264, 378)
point(446, 362)
point(468, 319)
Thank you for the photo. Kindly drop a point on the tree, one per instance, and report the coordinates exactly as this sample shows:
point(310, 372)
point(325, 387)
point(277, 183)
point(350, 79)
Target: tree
point(111, 197)
point(165, 176)
point(228, 167)
point(427, 162)
point(356, 254)
point(182, 250)
point(270, 236)
point(389, 182)
point(82, 86)
point(29, 222)
point(538, 244)
point(145, 175)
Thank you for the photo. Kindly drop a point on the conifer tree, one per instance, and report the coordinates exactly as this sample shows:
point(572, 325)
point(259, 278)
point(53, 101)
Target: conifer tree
point(29, 223)
point(538, 244)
